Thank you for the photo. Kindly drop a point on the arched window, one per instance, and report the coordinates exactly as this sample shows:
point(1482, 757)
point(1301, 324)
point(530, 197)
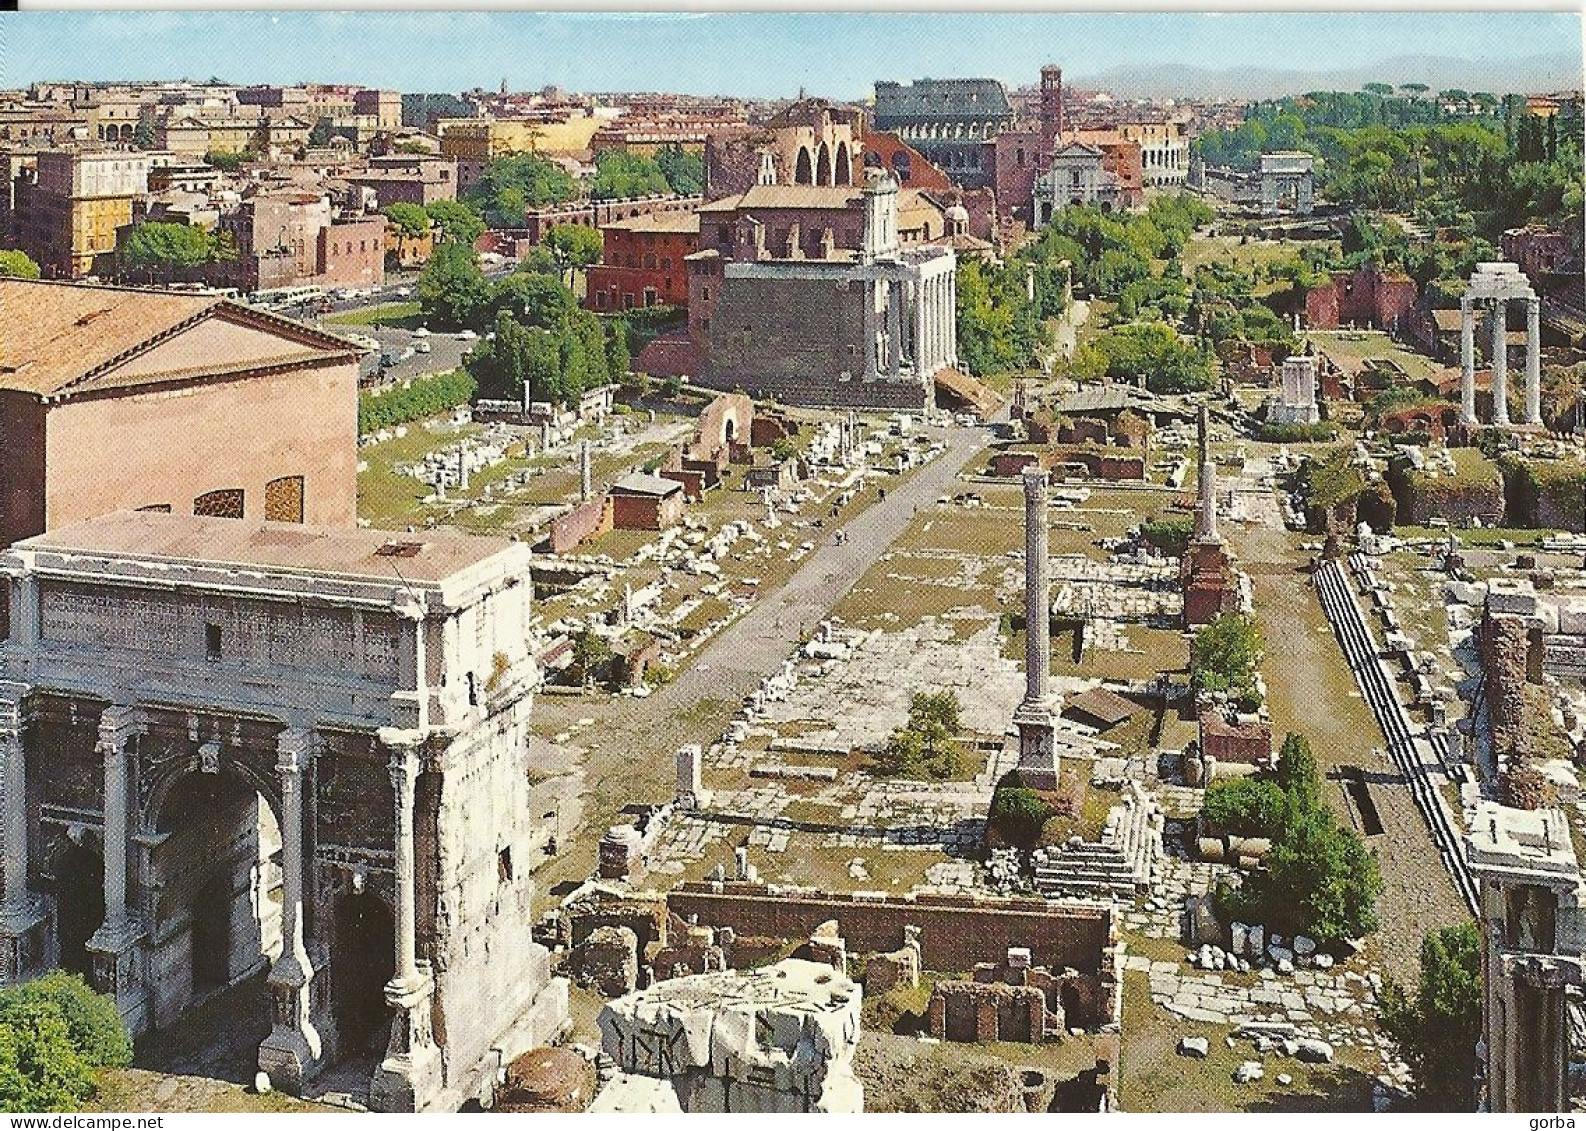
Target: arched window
point(225, 503)
point(803, 172)
point(845, 164)
point(823, 166)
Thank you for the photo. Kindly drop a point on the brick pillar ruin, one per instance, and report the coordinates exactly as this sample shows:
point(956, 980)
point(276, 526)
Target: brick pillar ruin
point(1034, 718)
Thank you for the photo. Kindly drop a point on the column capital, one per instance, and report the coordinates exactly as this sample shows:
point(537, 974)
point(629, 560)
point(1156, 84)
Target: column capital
point(409, 607)
point(295, 749)
point(403, 765)
point(118, 724)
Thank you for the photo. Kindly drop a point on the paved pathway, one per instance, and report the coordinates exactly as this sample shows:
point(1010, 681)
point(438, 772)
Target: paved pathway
point(634, 739)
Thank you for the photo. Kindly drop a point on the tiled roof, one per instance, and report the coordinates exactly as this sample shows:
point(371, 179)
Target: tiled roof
point(60, 337)
point(658, 222)
point(841, 197)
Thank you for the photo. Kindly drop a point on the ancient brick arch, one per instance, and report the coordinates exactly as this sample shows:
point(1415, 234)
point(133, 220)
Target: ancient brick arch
point(845, 164)
point(803, 168)
point(823, 166)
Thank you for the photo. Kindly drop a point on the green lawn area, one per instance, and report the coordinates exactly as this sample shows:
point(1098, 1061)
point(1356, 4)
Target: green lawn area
point(1352, 348)
point(404, 315)
point(388, 497)
point(1202, 250)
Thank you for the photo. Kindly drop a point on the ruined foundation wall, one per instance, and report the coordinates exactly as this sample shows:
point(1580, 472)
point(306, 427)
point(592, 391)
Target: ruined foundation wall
point(955, 931)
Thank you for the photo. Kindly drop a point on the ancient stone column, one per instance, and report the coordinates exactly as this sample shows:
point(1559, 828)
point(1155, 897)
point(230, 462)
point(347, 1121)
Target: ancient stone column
point(114, 943)
point(409, 1078)
point(1533, 361)
point(894, 330)
point(291, 1053)
point(1208, 481)
point(1500, 365)
point(586, 486)
point(1034, 718)
point(19, 913)
point(1467, 360)
point(404, 769)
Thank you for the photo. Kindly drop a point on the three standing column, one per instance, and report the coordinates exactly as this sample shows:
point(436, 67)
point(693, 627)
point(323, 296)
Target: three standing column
point(1467, 360)
point(1500, 365)
point(1533, 361)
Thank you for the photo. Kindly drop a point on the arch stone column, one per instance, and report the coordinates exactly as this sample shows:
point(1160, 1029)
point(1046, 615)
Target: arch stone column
point(116, 943)
point(21, 913)
point(301, 1035)
point(412, 1063)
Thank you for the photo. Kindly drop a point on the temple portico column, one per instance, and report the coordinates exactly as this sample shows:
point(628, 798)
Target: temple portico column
point(114, 944)
point(1500, 364)
point(409, 1077)
point(1533, 361)
point(295, 1048)
point(1467, 360)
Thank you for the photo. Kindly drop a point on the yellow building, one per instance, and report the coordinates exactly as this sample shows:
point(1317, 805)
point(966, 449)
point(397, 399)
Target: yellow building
point(68, 216)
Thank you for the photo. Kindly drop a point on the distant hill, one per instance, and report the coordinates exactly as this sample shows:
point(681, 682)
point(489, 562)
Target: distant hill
point(1530, 75)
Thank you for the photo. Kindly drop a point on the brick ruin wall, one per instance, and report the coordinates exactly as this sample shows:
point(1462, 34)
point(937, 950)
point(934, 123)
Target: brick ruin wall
point(582, 522)
point(956, 932)
point(1505, 649)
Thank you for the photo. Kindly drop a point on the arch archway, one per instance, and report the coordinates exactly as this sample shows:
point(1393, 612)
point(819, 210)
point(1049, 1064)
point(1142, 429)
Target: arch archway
point(803, 168)
point(823, 165)
point(845, 164)
point(214, 888)
point(361, 963)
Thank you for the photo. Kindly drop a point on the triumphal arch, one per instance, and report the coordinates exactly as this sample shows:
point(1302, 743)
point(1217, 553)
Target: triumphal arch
point(236, 749)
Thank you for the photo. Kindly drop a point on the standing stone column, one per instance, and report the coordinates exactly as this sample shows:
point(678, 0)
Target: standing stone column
point(586, 486)
point(1208, 481)
point(1533, 361)
point(1500, 364)
point(295, 1048)
point(1467, 360)
point(20, 913)
point(1034, 718)
point(409, 1078)
point(894, 330)
point(114, 944)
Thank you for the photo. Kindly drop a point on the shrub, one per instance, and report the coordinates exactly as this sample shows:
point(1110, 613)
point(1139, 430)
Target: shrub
point(55, 1033)
point(1437, 1029)
point(1017, 811)
point(1169, 535)
point(1246, 806)
point(1223, 658)
point(425, 397)
point(1319, 433)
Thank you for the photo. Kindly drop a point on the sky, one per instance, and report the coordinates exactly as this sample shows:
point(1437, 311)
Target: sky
point(765, 54)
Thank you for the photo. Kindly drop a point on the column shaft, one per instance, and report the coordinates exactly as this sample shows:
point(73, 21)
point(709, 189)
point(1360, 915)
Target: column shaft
point(404, 769)
point(14, 782)
point(116, 728)
point(1500, 365)
point(294, 755)
point(1037, 589)
point(1533, 361)
point(1467, 361)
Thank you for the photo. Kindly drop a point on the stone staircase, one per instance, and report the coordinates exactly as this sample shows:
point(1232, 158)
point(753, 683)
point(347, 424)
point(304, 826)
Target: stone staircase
point(1121, 865)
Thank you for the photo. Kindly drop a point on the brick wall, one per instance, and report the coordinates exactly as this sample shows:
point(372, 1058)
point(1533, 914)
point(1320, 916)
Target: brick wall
point(588, 520)
point(956, 932)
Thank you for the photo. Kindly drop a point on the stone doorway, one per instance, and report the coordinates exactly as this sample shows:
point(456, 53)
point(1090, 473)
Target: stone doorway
point(79, 871)
point(362, 961)
point(215, 891)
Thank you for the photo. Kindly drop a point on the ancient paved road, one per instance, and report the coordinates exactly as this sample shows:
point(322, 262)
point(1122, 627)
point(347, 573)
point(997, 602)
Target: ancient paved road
point(633, 740)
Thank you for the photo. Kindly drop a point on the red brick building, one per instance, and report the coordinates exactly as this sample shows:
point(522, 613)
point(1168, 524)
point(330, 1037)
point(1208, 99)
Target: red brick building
point(1367, 296)
point(641, 262)
point(908, 165)
point(646, 502)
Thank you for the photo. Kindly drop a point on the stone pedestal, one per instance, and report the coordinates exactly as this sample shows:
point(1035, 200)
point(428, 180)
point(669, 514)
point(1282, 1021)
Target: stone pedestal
point(1039, 763)
point(303, 1035)
point(410, 1076)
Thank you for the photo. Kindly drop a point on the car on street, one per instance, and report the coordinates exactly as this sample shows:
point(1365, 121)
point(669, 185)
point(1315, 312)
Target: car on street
point(467, 336)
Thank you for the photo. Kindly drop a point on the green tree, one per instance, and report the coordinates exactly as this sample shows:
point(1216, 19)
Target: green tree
point(618, 358)
point(509, 185)
point(18, 265)
point(160, 248)
point(1322, 881)
point(144, 135)
point(592, 656)
point(1247, 806)
point(684, 171)
point(1436, 1028)
point(938, 708)
point(458, 222)
point(620, 175)
point(1298, 774)
point(452, 289)
point(411, 220)
point(228, 160)
point(1224, 656)
point(572, 246)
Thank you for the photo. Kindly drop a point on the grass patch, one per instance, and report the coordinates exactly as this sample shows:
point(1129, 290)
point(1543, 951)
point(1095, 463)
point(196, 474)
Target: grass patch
point(402, 315)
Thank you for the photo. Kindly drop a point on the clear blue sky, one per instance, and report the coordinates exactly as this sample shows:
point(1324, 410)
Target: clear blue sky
point(761, 54)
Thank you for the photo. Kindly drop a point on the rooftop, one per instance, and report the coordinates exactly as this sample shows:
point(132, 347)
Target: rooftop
point(642, 483)
point(429, 556)
point(62, 337)
point(841, 197)
point(658, 222)
point(1522, 840)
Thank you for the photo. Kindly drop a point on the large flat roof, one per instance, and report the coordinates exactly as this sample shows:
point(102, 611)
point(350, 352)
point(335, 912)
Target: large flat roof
point(427, 556)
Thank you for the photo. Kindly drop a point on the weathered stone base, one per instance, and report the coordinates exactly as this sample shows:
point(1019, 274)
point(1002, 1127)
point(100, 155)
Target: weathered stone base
point(1039, 764)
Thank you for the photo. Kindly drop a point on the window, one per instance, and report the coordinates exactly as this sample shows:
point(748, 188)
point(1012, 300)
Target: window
point(504, 865)
point(283, 499)
point(225, 503)
point(212, 641)
point(157, 508)
point(704, 294)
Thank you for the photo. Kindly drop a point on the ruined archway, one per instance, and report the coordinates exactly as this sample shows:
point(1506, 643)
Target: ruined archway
point(361, 963)
point(823, 165)
point(803, 168)
point(845, 164)
point(214, 890)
